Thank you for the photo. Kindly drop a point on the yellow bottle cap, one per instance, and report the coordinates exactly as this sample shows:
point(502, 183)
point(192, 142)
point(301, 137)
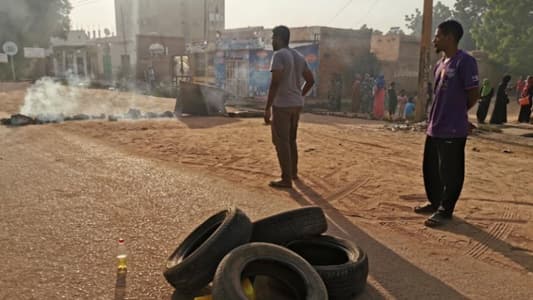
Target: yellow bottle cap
point(247, 287)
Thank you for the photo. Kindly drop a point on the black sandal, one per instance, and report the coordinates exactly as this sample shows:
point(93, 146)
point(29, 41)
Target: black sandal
point(436, 220)
point(281, 184)
point(425, 210)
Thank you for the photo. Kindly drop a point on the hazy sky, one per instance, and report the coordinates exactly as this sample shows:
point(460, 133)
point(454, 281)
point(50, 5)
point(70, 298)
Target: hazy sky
point(379, 14)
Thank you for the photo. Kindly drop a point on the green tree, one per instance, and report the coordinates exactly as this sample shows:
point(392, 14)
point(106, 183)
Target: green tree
point(505, 32)
point(469, 12)
point(441, 13)
point(31, 23)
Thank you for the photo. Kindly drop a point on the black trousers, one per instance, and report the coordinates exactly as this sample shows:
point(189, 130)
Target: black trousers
point(444, 172)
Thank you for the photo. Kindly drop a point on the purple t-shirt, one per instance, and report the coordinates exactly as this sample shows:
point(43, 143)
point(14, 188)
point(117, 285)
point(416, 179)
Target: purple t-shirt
point(448, 117)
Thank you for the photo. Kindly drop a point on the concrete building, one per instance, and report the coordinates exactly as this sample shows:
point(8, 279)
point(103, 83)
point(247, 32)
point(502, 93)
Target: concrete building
point(399, 57)
point(193, 20)
point(239, 61)
point(72, 56)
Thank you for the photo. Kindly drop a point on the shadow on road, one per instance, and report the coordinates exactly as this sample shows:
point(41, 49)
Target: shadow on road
point(396, 275)
point(120, 286)
point(519, 256)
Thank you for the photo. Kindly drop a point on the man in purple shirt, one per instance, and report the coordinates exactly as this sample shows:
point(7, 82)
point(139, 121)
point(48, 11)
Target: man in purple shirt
point(456, 91)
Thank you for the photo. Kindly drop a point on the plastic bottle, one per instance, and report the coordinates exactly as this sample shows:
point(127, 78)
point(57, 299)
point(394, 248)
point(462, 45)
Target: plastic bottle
point(122, 255)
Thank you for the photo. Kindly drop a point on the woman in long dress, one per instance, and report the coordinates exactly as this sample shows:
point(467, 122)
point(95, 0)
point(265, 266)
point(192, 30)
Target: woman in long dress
point(379, 98)
point(487, 92)
point(499, 115)
point(525, 110)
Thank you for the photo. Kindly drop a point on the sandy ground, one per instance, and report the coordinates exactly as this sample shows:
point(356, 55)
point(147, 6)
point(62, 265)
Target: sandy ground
point(68, 190)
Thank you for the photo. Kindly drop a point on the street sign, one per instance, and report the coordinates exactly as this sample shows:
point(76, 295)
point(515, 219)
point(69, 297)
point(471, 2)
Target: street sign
point(3, 58)
point(10, 48)
point(34, 53)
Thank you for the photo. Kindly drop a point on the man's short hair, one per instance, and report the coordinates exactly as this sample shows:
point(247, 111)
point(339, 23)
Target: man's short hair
point(452, 27)
point(283, 33)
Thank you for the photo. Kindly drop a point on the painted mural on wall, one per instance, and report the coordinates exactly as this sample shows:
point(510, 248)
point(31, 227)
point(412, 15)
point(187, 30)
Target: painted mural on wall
point(259, 68)
point(259, 73)
point(311, 54)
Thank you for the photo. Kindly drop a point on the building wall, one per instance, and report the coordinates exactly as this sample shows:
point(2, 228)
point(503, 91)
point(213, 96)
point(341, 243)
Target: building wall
point(195, 20)
point(339, 50)
point(163, 63)
point(386, 47)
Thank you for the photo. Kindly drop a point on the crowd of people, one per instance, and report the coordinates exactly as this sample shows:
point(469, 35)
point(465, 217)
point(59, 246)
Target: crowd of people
point(524, 94)
point(371, 96)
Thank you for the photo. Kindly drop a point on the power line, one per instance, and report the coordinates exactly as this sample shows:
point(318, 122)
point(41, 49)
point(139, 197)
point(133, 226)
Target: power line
point(367, 14)
point(340, 11)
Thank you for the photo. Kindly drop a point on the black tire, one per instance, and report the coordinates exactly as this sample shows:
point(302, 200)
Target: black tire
point(192, 266)
point(342, 265)
point(292, 225)
point(275, 262)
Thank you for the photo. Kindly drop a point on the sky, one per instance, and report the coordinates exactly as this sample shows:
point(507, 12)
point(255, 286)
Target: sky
point(377, 14)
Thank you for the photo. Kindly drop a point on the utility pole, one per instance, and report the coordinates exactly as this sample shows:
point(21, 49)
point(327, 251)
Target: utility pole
point(425, 51)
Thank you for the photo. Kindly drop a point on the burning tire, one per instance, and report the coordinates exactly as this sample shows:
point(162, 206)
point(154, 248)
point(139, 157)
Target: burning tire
point(276, 262)
point(192, 266)
point(288, 226)
point(342, 265)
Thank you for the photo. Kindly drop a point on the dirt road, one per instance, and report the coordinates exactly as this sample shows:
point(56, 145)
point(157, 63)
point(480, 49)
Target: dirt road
point(68, 191)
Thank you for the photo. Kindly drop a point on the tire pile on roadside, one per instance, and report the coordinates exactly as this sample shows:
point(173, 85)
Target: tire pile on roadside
point(289, 249)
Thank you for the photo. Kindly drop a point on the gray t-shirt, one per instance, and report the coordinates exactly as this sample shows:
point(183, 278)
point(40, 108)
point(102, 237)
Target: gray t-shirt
point(293, 65)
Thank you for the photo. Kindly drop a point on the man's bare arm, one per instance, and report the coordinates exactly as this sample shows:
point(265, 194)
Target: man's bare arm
point(309, 81)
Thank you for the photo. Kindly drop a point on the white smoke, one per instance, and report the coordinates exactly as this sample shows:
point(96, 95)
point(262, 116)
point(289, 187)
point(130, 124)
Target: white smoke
point(49, 98)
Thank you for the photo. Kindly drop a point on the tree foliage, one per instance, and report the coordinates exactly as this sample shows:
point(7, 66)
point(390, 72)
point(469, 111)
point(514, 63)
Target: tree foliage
point(505, 31)
point(441, 13)
point(469, 12)
point(31, 23)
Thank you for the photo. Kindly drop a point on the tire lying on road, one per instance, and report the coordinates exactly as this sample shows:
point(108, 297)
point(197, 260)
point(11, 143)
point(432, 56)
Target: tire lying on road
point(292, 225)
point(342, 265)
point(272, 261)
point(192, 266)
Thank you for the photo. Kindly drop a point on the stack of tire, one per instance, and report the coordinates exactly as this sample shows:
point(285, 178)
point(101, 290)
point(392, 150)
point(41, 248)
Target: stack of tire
point(288, 248)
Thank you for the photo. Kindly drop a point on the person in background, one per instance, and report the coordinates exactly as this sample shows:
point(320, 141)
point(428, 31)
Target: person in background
point(393, 101)
point(499, 114)
point(520, 85)
point(285, 102)
point(338, 93)
point(356, 94)
point(379, 98)
point(525, 110)
point(402, 101)
point(487, 92)
point(366, 94)
point(456, 92)
point(409, 111)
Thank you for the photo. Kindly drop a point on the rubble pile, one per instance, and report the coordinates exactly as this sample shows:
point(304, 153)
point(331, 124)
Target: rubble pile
point(416, 127)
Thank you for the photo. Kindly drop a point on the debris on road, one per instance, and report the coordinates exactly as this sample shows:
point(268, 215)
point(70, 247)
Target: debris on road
point(417, 127)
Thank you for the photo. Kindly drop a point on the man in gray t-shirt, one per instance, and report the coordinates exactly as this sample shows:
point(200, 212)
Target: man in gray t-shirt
point(285, 102)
